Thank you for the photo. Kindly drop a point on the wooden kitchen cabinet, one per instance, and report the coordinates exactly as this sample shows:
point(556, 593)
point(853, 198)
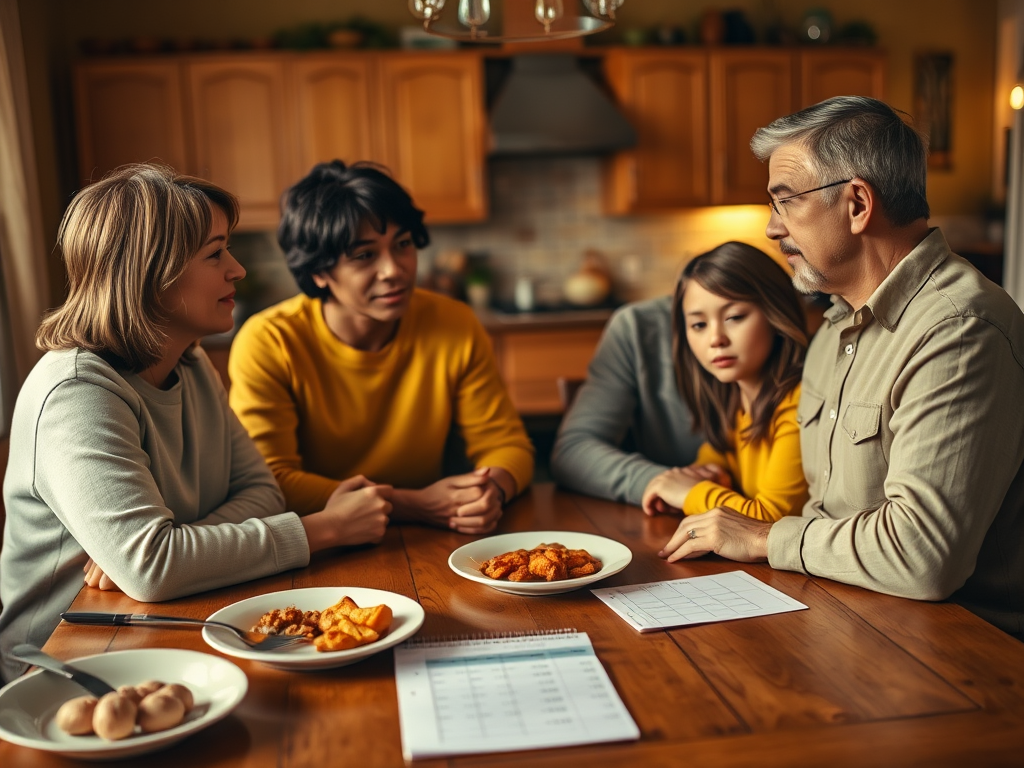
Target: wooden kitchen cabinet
point(129, 112)
point(434, 131)
point(335, 109)
point(748, 89)
point(696, 110)
point(664, 96)
point(532, 361)
point(242, 136)
point(419, 115)
point(256, 123)
point(851, 72)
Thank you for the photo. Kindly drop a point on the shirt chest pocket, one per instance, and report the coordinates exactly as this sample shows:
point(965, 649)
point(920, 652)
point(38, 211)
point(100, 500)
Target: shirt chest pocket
point(808, 410)
point(861, 421)
point(860, 465)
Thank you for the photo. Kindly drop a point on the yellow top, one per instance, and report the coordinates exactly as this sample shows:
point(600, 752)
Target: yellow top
point(769, 475)
point(321, 411)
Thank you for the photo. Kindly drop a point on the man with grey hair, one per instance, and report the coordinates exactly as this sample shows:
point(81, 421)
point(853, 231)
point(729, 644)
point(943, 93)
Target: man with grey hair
point(912, 429)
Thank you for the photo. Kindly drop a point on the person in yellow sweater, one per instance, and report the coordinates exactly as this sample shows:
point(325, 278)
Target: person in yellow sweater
point(739, 340)
point(362, 377)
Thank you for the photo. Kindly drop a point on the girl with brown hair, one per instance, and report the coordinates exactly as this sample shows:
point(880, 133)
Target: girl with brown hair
point(739, 339)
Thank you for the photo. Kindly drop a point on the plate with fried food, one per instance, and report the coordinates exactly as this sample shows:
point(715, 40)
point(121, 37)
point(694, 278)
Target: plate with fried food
point(540, 562)
point(343, 624)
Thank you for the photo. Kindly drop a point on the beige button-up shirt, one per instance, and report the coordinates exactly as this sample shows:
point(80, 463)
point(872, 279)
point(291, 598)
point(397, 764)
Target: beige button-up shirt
point(912, 433)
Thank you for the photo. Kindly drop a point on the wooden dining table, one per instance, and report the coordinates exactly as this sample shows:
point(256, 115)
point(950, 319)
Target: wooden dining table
point(858, 679)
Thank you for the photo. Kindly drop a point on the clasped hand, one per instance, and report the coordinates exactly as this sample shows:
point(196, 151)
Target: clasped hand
point(469, 503)
point(361, 509)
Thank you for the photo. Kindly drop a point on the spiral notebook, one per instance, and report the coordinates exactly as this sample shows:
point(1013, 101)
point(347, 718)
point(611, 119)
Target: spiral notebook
point(501, 694)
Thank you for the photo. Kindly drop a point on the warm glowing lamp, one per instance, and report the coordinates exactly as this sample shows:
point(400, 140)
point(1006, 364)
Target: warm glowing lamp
point(1017, 97)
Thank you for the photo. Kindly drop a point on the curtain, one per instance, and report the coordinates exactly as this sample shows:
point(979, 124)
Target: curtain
point(24, 287)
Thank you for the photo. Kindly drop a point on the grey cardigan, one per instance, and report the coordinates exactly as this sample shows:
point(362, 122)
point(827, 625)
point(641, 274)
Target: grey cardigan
point(628, 422)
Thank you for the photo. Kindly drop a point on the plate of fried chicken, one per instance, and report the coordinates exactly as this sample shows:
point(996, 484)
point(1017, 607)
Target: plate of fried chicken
point(310, 605)
point(540, 562)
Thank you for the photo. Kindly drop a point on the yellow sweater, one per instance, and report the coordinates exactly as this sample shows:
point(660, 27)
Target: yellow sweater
point(320, 410)
point(769, 475)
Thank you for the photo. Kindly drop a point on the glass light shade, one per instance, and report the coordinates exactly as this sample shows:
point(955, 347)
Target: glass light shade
point(603, 8)
point(548, 12)
point(1017, 97)
point(509, 20)
point(426, 10)
point(474, 13)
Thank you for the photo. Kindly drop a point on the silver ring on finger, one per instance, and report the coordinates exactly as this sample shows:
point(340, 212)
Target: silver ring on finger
point(692, 533)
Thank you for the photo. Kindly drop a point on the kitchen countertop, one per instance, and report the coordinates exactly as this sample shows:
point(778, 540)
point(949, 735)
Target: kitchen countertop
point(495, 321)
point(503, 322)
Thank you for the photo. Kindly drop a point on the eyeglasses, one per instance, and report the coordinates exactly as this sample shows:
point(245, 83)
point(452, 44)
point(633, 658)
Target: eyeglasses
point(774, 202)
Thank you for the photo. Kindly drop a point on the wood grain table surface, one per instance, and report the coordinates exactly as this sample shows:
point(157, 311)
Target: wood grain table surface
point(859, 679)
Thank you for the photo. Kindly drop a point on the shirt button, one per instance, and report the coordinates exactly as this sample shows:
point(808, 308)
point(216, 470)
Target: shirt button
point(826, 474)
point(849, 349)
point(832, 414)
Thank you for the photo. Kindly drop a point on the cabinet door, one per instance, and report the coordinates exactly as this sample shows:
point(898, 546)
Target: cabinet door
point(531, 362)
point(433, 119)
point(335, 110)
point(749, 89)
point(664, 96)
point(828, 73)
point(241, 136)
point(129, 112)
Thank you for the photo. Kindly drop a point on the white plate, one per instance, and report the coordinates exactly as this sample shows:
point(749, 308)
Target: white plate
point(28, 704)
point(408, 618)
point(466, 560)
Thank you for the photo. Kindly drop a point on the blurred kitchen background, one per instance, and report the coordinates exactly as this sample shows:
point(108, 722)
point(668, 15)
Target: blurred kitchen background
point(250, 93)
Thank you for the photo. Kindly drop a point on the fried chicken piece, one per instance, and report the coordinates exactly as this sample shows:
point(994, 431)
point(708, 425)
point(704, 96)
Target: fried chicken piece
point(579, 562)
point(501, 566)
point(547, 562)
point(522, 574)
point(583, 570)
point(339, 610)
point(344, 635)
point(376, 617)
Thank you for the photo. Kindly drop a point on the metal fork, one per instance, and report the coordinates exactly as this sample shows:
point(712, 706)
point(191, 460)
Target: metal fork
point(256, 640)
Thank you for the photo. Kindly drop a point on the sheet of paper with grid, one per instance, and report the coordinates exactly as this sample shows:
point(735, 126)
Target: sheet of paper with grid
point(697, 600)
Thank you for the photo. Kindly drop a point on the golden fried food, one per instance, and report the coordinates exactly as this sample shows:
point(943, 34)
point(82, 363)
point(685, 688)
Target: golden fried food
point(340, 627)
point(545, 562)
point(501, 566)
point(344, 635)
point(340, 610)
point(377, 617)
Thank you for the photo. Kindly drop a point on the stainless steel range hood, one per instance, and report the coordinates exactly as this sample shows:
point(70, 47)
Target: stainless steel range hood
point(549, 105)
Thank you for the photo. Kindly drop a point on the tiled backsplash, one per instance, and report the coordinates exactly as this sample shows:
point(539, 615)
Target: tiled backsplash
point(545, 213)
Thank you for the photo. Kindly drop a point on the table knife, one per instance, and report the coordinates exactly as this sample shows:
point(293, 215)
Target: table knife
point(33, 655)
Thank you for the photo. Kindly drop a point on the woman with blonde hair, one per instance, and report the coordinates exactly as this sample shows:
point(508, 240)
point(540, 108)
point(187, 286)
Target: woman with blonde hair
point(125, 460)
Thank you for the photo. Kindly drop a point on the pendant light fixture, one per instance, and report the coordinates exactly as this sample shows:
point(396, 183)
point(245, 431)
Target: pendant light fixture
point(485, 21)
